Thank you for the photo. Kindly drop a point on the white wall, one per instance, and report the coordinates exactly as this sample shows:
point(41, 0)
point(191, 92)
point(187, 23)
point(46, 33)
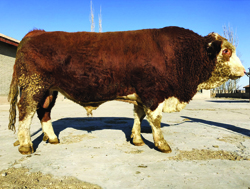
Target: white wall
point(204, 94)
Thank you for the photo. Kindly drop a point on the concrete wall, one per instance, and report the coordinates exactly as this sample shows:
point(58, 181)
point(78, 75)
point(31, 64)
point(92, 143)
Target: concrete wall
point(7, 60)
point(203, 94)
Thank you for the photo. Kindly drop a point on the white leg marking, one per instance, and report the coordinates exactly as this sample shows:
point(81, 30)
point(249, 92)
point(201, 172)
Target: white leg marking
point(24, 134)
point(156, 113)
point(136, 131)
point(48, 131)
point(154, 119)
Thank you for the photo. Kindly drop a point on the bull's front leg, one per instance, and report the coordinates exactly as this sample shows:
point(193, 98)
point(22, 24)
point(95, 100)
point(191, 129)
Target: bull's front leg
point(154, 119)
point(48, 132)
point(47, 128)
point(43, 114)
point(136, 130)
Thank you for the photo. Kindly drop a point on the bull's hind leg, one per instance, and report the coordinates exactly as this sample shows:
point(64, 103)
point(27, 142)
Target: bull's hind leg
point(43, 114)
point(27, 108)
point(136, 130)
point(154, 119)
point(26, 146)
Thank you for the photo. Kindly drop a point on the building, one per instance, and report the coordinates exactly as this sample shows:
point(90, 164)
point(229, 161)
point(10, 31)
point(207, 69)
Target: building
point(247, 88)
point(8, 48)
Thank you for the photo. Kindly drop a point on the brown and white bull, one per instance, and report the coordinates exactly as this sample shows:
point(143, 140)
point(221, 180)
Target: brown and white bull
point(160, 70)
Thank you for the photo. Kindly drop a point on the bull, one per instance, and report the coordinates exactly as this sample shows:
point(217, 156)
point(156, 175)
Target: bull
point(159, 70)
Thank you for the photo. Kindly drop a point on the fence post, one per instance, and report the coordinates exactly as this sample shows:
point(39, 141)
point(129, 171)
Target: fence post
point(248, 75)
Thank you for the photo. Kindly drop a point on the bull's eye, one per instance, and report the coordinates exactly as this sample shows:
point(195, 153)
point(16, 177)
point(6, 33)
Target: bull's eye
point(225, 51)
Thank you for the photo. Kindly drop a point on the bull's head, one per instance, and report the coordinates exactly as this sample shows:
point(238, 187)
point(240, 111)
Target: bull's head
point(228, 65)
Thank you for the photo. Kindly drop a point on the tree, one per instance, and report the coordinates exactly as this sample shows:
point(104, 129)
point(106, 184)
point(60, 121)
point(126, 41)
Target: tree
point(231, 36)
point(92, 20)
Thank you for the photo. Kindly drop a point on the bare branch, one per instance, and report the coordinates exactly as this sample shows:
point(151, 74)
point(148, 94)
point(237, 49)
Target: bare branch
point(231, 36)
point(100, 20)
point(92, 17)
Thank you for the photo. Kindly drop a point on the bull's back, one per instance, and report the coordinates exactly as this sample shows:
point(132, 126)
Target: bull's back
point(91, 65)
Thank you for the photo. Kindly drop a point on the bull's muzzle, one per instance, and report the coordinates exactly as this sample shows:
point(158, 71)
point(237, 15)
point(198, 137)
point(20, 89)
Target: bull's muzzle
point(237, 68)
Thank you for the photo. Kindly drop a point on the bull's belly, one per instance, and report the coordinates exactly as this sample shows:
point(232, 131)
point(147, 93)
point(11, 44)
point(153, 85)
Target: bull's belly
point(172, 104)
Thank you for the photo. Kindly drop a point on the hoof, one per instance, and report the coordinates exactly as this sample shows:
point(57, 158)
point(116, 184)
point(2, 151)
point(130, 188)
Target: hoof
point(25, 150)
point(53, 141)
point(163, 147)
point(166, 150)
point(45, 137)
point(138, 143)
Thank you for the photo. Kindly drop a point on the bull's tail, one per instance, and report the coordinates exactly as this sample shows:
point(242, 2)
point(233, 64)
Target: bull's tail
point(12, 98)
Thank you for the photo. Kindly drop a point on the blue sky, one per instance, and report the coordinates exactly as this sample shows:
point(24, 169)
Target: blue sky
point(202, 16)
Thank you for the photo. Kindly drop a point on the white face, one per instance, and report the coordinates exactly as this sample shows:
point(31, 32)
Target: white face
point(237, 69)
point(228, 66)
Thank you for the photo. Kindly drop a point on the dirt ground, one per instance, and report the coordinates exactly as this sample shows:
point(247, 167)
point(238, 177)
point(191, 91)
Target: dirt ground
point(22, 178)
point(210, 140)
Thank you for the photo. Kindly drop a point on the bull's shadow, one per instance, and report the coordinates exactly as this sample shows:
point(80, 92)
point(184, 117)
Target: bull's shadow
point(233, 128)
point(123, 124)
point(228, 101)
point(90, 124)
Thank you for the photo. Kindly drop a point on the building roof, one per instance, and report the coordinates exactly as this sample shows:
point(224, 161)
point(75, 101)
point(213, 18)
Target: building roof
point(246, 86)
point(9, 40)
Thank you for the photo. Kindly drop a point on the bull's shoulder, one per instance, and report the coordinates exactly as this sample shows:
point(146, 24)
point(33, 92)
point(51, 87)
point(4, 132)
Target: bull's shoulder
point(34, 32)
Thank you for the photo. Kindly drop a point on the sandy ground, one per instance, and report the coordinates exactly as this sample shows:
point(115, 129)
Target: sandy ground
point(209, 138)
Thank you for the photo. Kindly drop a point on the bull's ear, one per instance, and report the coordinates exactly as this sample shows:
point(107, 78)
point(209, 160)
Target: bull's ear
point(214, 48)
